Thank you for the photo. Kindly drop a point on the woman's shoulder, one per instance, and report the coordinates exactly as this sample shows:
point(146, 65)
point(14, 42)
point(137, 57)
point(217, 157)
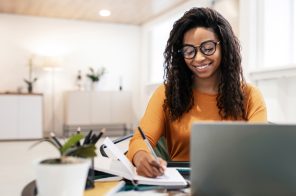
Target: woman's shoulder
point(157, 96)
point(251, 90)
point(160, 90)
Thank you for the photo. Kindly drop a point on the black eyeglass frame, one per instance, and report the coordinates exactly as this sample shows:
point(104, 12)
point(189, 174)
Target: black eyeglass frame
point(199, 47)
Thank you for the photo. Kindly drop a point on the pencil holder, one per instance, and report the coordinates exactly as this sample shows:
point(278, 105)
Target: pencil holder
point(90, 181)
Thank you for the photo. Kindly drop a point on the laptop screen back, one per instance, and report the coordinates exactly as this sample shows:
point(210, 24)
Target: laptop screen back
point(243, 159)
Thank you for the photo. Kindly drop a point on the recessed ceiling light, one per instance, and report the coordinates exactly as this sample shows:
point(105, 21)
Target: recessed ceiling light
point(105, 13)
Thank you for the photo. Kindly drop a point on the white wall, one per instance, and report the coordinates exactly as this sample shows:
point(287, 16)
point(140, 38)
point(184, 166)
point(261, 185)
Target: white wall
point(79, 44)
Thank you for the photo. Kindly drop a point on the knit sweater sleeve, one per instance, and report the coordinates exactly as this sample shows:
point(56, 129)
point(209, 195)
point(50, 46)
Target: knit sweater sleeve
point(255, 108)
point(152, 123)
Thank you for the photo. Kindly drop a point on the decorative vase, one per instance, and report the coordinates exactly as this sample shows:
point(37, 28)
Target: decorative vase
point(62, 179)
point(30, 88)
point(94, 86)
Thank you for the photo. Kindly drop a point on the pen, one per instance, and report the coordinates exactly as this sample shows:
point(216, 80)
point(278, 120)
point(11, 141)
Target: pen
point(55, 139)
point(148, 145)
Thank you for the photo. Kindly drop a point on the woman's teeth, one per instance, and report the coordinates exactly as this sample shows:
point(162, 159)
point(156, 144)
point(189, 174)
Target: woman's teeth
point(201, 67)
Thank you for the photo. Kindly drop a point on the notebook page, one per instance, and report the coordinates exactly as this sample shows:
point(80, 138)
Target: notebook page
point(171, 177)
point(111, 166)
point(118, 154)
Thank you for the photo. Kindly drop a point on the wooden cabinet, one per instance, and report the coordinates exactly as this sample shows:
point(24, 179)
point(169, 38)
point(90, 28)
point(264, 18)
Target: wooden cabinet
point(95, 109)
point(21, 116)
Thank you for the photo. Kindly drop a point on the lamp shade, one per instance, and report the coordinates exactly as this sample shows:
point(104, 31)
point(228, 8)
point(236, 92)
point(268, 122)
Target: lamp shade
point(47, 62)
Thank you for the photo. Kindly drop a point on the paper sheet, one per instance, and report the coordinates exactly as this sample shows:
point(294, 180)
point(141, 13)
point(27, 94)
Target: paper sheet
point(116, 152)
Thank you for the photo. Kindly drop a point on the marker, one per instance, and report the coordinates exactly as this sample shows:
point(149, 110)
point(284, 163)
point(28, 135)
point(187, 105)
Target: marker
point(78, 132)
point(148, 145)
point(96, 139)
point(87, 138)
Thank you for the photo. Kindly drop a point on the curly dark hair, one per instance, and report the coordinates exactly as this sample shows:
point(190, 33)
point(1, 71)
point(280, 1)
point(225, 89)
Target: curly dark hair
point(178, 79)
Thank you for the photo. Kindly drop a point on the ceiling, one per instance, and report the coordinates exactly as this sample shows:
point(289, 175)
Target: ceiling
point(133, 12)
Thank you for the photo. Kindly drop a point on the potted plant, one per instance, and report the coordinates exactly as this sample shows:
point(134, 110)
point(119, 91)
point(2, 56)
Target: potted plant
point(67, 174)
point(30, 81)
point(95, 76)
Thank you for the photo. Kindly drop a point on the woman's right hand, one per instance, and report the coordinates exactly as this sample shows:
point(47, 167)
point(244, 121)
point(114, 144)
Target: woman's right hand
point(147, 165)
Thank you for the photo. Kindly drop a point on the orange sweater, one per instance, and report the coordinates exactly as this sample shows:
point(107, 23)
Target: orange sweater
point(156, 124)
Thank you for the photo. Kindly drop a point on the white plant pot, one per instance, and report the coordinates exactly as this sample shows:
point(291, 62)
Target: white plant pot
point(94, 86)
point(62, 179)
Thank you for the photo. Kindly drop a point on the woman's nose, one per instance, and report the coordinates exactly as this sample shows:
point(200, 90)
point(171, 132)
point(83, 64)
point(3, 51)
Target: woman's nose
point(199, 56)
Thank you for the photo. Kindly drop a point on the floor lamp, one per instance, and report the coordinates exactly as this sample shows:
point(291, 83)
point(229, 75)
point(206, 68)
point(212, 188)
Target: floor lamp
point(51, 64)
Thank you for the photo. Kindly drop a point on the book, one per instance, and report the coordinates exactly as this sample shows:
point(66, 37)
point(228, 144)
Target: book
point(124, 168)
point(105, 177)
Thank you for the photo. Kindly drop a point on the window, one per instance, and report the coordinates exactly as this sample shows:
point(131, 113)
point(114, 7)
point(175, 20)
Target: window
point(158, 36)
point(277, 38)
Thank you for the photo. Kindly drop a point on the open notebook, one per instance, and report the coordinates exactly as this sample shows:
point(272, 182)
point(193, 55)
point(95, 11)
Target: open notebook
point(123, 167)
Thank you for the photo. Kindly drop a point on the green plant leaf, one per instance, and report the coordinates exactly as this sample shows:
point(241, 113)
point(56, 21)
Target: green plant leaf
point(93, 78)
point(86, 151)
point(71, 142)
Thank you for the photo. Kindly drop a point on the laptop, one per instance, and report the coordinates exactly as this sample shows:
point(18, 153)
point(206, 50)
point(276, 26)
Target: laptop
point(243, 159)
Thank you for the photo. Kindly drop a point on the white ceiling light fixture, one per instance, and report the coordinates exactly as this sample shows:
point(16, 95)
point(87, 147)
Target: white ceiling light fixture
point(104, 13)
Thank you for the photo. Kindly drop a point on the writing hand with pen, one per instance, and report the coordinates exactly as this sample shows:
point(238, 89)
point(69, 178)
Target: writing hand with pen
point(147, 163)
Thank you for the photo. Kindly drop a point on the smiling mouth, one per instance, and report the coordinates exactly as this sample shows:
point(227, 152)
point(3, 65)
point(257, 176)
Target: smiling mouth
point(202, 67)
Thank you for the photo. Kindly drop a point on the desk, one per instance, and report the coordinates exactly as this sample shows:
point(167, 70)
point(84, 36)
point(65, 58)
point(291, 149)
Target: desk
point(101, 188)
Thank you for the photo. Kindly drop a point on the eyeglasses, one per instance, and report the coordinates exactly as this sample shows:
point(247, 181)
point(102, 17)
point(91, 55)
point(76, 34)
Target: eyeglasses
point(207, 48)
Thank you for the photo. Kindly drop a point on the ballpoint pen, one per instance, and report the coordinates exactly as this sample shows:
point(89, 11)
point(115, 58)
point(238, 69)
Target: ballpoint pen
point(148, 145)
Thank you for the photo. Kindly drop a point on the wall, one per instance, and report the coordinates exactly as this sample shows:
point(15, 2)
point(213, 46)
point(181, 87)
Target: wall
point(79, 45)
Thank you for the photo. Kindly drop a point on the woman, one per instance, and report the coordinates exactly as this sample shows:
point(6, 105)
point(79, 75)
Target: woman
point(203, 82)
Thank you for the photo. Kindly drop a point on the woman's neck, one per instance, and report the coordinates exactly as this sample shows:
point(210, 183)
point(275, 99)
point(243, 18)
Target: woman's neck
point(206, 85)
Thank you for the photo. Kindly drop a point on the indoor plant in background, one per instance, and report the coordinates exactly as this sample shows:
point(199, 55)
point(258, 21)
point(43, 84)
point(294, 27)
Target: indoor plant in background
point(67, 174)
point(95, 76)
point(30, 81)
